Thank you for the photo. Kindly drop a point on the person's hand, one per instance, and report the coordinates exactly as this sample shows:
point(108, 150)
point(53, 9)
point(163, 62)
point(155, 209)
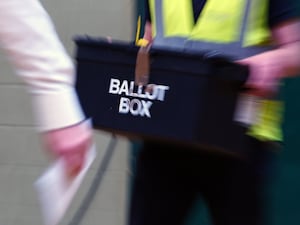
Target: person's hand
point(70, 143)
point(265, 74)
point(268, 68)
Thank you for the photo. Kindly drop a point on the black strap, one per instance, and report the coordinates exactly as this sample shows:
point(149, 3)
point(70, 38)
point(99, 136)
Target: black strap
point(80, 213)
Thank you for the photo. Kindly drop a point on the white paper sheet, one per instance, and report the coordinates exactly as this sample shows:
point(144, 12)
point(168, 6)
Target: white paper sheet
point(247, 109)
point(55, 191)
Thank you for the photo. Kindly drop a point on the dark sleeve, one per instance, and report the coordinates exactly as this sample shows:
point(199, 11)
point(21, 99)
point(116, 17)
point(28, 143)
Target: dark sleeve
point(283, 10)
point(147, 11)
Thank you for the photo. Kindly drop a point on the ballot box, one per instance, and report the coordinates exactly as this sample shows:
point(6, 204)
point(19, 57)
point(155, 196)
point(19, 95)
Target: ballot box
point(190, 98)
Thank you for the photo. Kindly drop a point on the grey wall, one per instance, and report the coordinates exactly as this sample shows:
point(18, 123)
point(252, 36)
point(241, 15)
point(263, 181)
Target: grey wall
point(22, 159)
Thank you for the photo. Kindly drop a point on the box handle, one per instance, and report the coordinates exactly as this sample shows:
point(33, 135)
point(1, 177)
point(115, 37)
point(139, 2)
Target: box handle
point(142, 66)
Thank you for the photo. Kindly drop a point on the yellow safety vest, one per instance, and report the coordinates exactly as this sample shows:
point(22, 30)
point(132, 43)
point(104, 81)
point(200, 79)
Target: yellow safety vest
point(219, 22)
point(236, 28)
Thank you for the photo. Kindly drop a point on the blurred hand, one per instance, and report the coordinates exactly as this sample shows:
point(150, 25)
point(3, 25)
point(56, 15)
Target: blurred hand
point(268, 68)
point(70, 143)
point(265, 74)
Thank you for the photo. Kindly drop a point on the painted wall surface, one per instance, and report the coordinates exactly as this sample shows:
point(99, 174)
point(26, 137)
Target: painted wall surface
point(22, 160)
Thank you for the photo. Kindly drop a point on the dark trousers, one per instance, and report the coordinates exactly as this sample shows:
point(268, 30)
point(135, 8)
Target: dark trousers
point(168, 178)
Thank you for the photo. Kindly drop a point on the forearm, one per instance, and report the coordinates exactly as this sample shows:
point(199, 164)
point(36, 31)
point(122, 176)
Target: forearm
point(289, 57)
point(284, 61)
point(287, 36)
point(31, 43)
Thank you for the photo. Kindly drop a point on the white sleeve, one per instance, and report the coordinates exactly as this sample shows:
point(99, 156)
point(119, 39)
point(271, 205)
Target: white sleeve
point(31, 43)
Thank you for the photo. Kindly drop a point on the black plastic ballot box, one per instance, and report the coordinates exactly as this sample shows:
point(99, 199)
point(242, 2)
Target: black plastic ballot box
point(190, 98)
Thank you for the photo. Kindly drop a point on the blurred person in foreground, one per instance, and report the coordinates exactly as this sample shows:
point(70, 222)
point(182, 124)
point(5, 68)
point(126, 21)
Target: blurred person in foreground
point(30, 41)
point(263, 34)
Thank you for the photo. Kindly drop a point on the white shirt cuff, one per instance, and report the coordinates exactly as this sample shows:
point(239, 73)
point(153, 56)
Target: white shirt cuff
point(57, 110)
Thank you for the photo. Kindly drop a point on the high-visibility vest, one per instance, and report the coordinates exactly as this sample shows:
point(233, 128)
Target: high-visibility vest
point(233, 28)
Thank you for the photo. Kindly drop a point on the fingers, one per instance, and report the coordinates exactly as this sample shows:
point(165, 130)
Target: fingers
point(262, 81)
point(74, 158)
point(70, 144)
point(263, 76)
